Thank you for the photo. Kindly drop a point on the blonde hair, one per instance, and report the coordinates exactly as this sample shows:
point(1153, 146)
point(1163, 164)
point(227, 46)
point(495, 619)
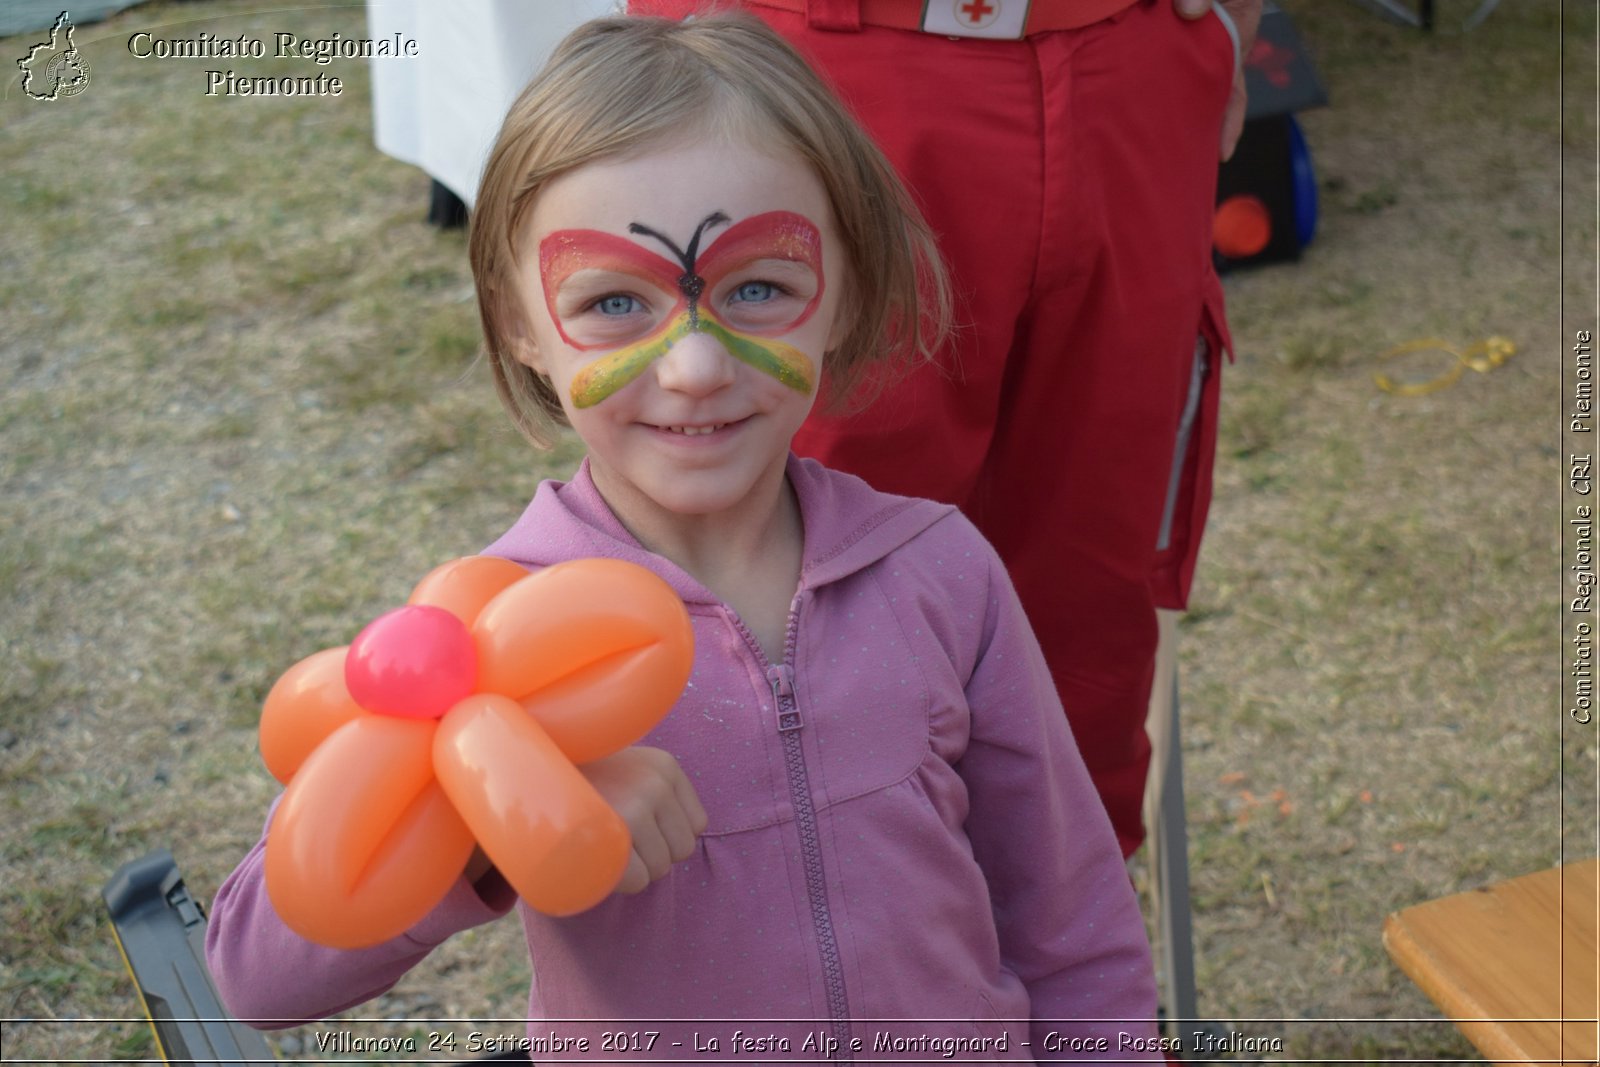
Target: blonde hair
point(618, 85)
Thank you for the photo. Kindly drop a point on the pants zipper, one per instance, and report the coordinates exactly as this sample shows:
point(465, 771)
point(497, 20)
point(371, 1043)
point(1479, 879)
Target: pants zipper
point(1180, 453)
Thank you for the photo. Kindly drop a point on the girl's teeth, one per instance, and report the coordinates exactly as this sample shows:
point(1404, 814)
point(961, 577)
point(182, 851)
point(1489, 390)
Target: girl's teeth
point(694, 431)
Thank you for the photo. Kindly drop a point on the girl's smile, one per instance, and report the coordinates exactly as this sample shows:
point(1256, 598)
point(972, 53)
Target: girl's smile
point(702, 430)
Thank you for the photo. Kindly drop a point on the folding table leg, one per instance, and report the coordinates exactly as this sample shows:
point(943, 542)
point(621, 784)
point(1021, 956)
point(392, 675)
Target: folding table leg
point(1168, 848)
point(1176, 933)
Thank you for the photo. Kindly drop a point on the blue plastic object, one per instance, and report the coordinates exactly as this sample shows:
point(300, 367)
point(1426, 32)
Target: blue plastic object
point(1303, 179)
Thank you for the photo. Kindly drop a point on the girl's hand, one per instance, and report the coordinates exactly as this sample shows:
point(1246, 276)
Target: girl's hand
point(648, 788)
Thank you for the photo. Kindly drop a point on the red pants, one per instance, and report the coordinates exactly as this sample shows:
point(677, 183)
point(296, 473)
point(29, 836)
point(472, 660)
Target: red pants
point(1070, 177)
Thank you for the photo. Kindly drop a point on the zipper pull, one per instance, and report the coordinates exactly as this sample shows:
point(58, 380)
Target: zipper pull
point(782, 679)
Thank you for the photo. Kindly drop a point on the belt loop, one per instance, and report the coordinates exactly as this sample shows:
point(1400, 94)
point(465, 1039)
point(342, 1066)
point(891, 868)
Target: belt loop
point(836, 15)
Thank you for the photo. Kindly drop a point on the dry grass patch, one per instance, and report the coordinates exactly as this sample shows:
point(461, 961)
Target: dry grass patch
point(1375, 635)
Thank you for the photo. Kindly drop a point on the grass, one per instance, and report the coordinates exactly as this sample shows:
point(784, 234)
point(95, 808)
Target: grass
point(1374, 629)
point(241, 413)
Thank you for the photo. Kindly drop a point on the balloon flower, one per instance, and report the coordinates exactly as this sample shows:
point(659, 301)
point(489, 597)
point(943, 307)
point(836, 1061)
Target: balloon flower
point(457, 720)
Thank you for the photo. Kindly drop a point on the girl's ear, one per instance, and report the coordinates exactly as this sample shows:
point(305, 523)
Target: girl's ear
point(519, 335)
point(525, 349)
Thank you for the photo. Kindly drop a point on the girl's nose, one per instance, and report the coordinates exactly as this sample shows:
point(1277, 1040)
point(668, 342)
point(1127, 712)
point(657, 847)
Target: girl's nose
point(696, 364)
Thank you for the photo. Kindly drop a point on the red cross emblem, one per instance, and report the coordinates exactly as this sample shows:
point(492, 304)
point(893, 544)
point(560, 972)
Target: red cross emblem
point(1272, 61)
point(977, 13)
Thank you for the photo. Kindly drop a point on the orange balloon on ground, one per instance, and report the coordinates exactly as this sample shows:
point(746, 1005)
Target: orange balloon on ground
point(598, 650)
point(365, 843)
point(552, 837)
point(307, 704)
point(1242, 226)
point(463, 586)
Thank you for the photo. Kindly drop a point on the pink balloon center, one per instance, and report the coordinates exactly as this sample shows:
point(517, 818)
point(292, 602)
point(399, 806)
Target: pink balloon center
point(414, 662)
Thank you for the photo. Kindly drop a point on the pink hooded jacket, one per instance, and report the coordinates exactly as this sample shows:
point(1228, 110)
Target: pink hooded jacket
point(903, 849)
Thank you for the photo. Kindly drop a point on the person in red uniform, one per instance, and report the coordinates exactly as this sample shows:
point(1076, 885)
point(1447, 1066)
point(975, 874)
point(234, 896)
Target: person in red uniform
point(1065, 152)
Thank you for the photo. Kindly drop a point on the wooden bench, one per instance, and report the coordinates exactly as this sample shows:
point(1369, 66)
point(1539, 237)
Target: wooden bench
point(1516, 965)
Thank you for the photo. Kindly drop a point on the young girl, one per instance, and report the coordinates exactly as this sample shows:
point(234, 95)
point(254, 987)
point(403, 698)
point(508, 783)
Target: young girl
point(864, 831)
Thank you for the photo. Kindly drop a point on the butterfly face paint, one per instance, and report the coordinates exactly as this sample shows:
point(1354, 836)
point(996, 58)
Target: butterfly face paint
point(763, 277)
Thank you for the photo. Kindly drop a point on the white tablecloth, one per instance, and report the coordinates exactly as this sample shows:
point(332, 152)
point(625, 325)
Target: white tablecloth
point(440, 109)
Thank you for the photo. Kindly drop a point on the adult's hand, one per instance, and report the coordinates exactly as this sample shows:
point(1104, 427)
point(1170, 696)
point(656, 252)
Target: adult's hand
point(1246, 15)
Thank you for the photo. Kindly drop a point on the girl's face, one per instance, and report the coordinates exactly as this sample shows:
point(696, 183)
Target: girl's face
point(680, 301)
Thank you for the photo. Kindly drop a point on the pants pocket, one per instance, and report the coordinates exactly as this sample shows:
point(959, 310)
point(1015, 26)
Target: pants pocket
point(1188, 498)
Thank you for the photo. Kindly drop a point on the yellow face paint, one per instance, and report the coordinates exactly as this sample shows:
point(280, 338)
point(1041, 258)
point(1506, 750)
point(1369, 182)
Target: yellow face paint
point(784, 362)
point(615, 370)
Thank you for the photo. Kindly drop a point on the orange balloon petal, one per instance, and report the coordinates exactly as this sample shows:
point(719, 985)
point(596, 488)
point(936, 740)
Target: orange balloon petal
point(610, 704)
point(306, 705)
point(365, 843)
point(556, 841)
point(598, 650)
point(463, 586)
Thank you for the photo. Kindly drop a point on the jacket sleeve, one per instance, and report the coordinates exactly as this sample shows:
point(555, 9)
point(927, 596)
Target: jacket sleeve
point(270, 977)
point(1065, 908)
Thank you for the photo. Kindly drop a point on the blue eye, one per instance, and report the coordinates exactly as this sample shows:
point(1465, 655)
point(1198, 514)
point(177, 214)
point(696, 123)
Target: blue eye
point(616, 304)
point(755, 292)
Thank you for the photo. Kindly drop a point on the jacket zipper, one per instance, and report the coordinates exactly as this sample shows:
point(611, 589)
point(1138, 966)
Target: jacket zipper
point(789, 723)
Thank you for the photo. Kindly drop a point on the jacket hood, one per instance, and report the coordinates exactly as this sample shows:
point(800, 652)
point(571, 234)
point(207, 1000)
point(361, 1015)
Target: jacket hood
point(848, 526)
